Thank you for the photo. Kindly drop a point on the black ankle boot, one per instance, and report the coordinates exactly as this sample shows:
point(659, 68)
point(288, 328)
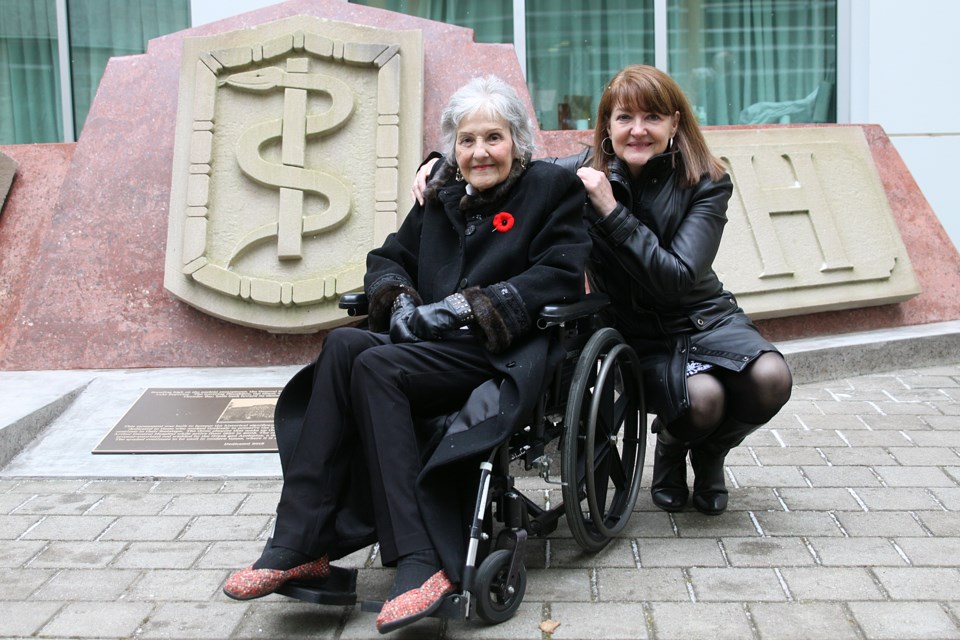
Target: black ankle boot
point(709, 488)
point(707, 456)
point(669, 487)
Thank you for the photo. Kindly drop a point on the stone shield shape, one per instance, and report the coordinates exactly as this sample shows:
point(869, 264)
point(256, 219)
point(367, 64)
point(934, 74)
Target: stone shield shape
point(292, 138)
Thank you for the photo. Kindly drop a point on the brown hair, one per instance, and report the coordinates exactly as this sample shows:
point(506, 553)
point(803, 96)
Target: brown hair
point(644, 88)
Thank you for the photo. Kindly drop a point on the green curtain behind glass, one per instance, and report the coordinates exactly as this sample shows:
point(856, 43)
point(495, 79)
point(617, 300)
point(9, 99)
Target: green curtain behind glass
point(755, 61)
point(491, 20)
point(575, 47)
point(29, 68)
point(30, 98)
point(101, 29)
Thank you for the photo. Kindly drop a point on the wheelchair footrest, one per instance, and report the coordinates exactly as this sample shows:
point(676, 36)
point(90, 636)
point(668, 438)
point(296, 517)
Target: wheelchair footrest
point(337, 589)
point(454, 606)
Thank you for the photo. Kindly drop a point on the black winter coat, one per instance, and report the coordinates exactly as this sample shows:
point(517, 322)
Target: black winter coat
point(654, 256)
point(450, 245)
point(665, 237)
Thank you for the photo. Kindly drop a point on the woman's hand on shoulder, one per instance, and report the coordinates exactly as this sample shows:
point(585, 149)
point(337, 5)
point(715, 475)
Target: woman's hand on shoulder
point(598, 190)
point(420, 182)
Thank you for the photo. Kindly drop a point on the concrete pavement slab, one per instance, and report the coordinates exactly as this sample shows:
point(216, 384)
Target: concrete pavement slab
point(844, 521)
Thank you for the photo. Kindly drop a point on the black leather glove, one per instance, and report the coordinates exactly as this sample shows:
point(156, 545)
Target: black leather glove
point(431, 321)
point(403, 308)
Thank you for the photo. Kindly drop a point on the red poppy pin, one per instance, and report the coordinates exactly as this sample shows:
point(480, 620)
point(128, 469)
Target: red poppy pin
point(502, 222)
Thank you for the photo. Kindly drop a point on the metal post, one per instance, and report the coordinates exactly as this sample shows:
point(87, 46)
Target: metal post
point(66, 85)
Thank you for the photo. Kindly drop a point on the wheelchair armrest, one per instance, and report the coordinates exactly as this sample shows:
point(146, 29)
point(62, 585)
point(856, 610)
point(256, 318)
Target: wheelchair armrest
point(557, 314)
point(354, 303)
point(550, 316)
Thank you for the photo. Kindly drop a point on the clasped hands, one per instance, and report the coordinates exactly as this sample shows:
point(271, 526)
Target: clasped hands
point(412, 323)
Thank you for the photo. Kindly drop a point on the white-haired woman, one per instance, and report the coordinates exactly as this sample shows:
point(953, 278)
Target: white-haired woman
point(453, 298)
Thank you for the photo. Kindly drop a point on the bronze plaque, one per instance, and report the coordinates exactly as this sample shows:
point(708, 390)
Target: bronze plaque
point(196, 421)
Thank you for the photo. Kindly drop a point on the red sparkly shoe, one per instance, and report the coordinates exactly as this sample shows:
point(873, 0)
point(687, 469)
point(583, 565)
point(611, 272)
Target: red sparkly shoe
point(417, 603)
point(250, 583)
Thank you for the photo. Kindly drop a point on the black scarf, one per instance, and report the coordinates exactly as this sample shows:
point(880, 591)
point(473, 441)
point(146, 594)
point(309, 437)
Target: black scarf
point(478, 199)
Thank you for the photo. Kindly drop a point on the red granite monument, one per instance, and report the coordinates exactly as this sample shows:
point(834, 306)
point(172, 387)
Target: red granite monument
point(83, 231)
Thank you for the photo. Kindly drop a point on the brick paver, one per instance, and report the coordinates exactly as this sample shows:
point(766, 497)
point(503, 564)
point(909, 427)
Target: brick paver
point(844, 522)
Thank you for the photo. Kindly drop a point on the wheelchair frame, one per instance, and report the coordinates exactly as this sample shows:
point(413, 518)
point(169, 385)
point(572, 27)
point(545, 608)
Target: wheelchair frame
point(592, 408)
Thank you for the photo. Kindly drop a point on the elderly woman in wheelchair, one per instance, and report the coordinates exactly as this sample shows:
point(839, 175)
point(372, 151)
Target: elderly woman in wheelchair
point(454, 297)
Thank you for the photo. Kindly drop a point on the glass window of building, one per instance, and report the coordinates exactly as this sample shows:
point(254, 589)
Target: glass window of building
point(575, 47)
point(740, 61)
point(755, 61)
point(491, 20)
point(41, 38)
point(29, 73)
point(101, 29)
point(572, 48)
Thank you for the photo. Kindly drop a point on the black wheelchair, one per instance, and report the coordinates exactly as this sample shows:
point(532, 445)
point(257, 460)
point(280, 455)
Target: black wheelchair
point(592, 417)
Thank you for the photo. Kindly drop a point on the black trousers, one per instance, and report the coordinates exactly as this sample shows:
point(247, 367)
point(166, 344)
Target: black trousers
point(366, 395)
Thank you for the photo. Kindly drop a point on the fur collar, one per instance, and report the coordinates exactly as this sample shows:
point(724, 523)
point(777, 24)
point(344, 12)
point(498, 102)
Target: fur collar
point(468, 202)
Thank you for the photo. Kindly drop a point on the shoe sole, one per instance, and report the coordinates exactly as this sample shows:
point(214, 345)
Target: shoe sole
point(393, 625)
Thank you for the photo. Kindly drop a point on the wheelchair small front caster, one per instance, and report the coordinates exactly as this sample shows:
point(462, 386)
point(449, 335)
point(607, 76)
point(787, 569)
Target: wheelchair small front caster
point(496, 597)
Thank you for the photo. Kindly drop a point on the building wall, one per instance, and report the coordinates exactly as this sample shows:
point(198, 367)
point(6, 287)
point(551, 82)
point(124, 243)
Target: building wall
point(912, 74)
point(904, 67)
point(205, 11)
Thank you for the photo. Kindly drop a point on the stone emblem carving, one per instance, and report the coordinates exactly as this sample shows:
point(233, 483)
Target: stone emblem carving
point(8, 168)
point(809, 226)
point(291, 140)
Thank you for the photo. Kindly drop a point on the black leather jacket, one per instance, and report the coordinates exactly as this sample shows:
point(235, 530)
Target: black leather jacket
point(659, 245)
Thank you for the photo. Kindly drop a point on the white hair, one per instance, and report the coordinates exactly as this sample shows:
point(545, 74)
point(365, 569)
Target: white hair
point(494, 97)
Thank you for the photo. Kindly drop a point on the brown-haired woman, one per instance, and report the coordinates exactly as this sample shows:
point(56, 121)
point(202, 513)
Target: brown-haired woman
point(659, 201)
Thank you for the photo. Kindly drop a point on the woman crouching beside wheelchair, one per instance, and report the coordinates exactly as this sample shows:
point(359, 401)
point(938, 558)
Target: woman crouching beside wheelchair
point(453, 296)
point(659, 207)
point(658, 202)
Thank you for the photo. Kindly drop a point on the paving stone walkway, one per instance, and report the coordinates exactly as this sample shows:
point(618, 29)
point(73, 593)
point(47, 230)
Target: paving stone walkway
point(844, 522)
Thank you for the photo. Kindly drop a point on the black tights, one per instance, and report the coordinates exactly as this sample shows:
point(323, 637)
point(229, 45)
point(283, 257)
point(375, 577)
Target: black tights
point(752, 396)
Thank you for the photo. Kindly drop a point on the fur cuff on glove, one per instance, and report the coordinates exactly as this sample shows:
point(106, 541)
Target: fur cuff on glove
point(380, 299)
point(501, 315)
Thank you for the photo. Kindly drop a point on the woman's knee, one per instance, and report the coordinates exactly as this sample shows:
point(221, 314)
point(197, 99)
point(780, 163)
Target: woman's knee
point(768, 388)
point(379, 364)
point(773, 377)
point(707, 402)
point(341, 349)
point(346, 340)
point(343, 345)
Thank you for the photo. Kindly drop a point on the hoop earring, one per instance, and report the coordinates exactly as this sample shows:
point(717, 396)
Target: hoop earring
point(604, 149)
point(458, 176)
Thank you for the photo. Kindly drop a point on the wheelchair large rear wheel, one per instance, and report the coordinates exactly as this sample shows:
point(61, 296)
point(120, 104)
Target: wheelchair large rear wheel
point(604, 440)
